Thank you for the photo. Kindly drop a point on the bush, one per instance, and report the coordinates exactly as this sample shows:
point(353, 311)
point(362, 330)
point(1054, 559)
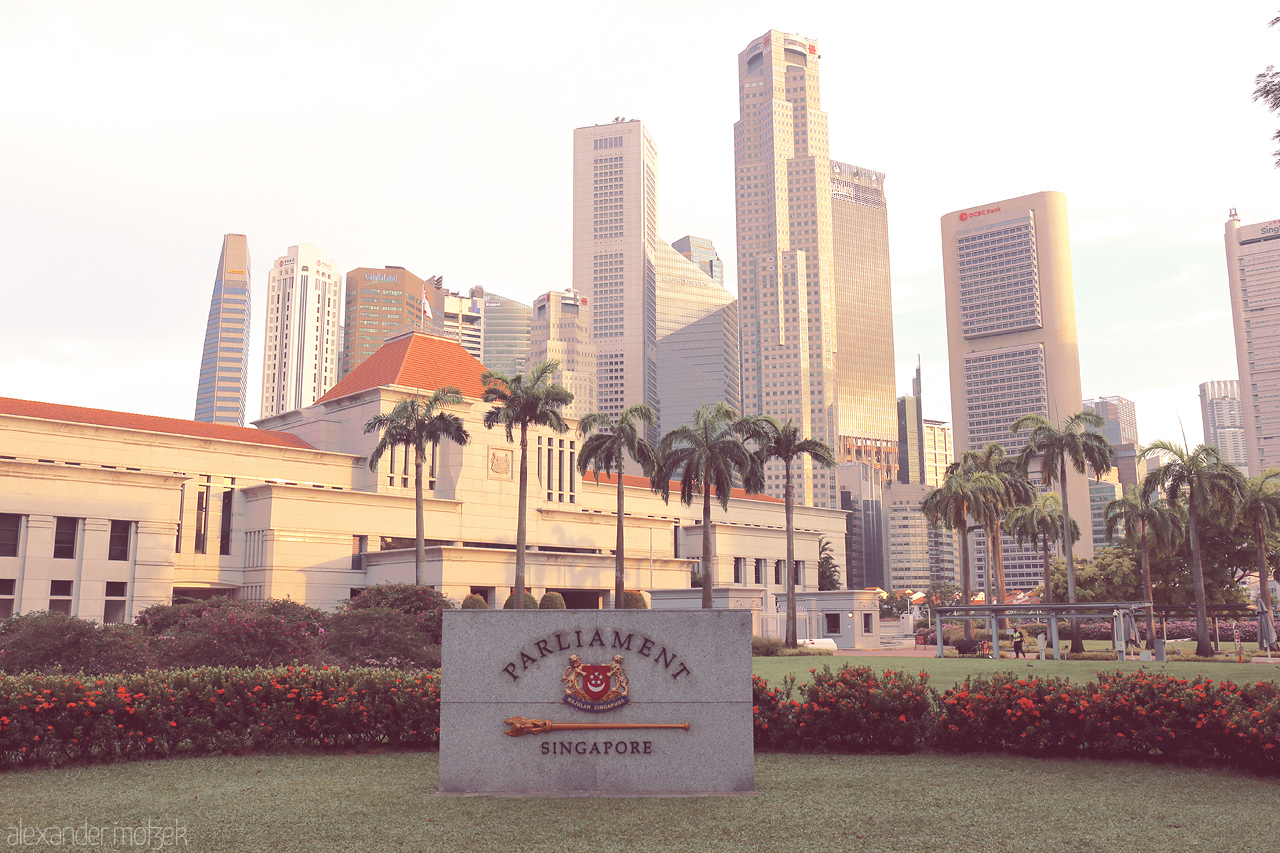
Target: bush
point(551, 601)
point(234, 633)
point(380, 636)
point(634, 600)
point(163, 618)
point(53, 720)
point(530, 603)
point(50, 642)
point(474, 602)
point(765, 647)
point(407, 598)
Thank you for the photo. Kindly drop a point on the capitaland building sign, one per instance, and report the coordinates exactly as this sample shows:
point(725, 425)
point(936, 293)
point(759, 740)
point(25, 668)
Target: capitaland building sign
point(606, 701)
point(381, 276)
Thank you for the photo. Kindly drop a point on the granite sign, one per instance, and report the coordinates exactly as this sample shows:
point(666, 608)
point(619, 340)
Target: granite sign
point(596, 702)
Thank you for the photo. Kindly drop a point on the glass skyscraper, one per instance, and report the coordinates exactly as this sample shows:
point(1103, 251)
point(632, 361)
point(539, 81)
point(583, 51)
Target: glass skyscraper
point(220, 393)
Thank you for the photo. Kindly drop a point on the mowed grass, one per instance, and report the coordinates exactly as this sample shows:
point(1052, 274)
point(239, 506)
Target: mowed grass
point(947, 672)
point(913, 804)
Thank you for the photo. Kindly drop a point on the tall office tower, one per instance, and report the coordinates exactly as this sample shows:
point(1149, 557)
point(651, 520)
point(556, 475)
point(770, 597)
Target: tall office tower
point(1011, 337)
point(1223, 418)
point(302, 350)
point(1103, 491)
point(384, 303)
point(1120, 429)
point(561, 330)
point(862, 495)
point(1253, 275)
point(813, 272)
point(615, 240)
point(504, 333)
point(697, 334)
point(911, 434)
point(937, 451)
point(224, 376)
point(464, 319)
point(701, 251)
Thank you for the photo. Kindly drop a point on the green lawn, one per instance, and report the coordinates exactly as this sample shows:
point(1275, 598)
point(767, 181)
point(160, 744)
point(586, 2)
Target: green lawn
point(913, 804)
point(947, 672)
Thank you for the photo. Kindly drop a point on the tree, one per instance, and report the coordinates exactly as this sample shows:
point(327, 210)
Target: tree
point(1014, 490)
point(828, 571)
point(607, 450)
point(785, 443)
point(961, 497)
point(1211, 487)
point(1057, 447)
point(1146, 523)
point(707, 456)
point(1267, 90)
point(1259, 511)
point(1040, 522)
point(1111, 575)
point(524, 400)
point(894, 604)
point(940, 594)
point(417, 423)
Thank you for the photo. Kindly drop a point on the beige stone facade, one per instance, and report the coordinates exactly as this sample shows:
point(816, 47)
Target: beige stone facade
point(119, 511)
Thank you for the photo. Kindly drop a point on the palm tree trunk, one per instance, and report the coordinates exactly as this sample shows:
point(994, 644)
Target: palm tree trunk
point(789, 504)
point(420, 546)
point(618, 591)
point(1204, 648)
point(518, 603)
point(965, 585)
point(1003, 623)
point(1146, 579)
point(1077, 642)
point(1264, 570)
point(1048, 584)
point(706, 544)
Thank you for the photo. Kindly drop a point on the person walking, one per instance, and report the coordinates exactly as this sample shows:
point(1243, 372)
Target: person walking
point(1018, 637)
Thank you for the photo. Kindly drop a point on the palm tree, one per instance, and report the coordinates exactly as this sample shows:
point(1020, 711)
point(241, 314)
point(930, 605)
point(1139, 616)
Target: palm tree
point(524, 400)
point(607, 450)
point(962, 496)
point(416, 423)
point(828, 571)
point(1260, 510)
point(1147, 522)
point(1211, 486)
point(1015, 490)
point(1040, 523)
point(707, 455)
point(1058, 447)
point(785, 443)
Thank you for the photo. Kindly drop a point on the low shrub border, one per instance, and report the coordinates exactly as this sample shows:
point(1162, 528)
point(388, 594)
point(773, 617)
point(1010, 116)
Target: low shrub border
point(52, 720)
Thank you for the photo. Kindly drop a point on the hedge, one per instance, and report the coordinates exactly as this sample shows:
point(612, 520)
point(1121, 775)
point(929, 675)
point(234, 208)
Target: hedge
point(53, 720)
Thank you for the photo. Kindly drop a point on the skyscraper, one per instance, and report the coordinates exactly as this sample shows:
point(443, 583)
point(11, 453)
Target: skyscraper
point(1223, 418)
point(561, 330)
point(664, 325)
point(1011, 336)
point(464, 319)
point(384, 303)
point(302, 350)
point(504, 333)
point(220, 393)
point(1253, 276)
point(1120, 429)
point(813, 272)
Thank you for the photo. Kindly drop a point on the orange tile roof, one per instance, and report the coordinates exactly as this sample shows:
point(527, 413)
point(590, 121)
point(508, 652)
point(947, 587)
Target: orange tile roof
point(147, 423)
point(415, 360)
point(643, 483)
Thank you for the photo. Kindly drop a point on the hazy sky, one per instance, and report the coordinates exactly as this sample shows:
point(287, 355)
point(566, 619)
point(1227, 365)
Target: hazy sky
point(438, 137)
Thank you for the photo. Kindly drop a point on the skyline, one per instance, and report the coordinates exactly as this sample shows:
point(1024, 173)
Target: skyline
point(131, 177)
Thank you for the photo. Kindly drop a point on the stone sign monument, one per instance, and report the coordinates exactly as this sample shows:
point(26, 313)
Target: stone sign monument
point(596, 702)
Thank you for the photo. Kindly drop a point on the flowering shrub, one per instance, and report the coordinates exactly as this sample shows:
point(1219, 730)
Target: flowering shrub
point(47, 641)
point(58, 719)
point(241, 633)
point(365, 637)
point(421, 602)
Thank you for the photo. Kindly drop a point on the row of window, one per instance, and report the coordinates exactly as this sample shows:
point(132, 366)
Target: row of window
point(65, 537)
point(760, 569)
point(60, 597)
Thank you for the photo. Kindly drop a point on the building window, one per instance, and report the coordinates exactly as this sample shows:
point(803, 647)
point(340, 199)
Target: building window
point(359, 545)
point(60, 596)
point(833, 622)
point(797, 570)
point(6, 597)
point(224, 535)
point(118, 545)
point(64, 538)
point(777, 571)
point(867, 627)
point(760, 570)
point(113, 607)
point(202, 514)
point(10, 529)
point(739, 568)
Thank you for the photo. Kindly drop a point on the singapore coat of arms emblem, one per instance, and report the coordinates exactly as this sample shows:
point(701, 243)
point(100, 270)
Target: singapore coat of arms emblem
point(595, 688)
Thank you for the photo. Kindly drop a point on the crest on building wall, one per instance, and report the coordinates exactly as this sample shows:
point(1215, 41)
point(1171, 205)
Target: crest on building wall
point(500, 464)
point(595, 687)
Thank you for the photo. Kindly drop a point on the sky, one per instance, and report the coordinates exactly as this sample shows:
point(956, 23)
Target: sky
point(437, 136)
